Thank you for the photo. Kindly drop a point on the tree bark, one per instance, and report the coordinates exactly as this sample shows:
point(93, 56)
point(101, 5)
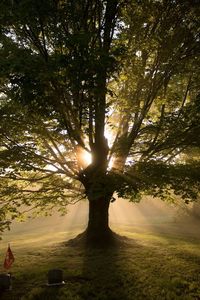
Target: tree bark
point(98, 231)
point(98, 215)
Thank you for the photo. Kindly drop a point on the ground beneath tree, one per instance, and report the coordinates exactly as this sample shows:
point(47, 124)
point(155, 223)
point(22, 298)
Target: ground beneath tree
point(105, 241)
point(147, 265)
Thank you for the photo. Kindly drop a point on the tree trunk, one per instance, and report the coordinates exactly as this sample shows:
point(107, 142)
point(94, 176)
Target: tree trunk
point(99, 190)
point(98, 231)
point(98, 216)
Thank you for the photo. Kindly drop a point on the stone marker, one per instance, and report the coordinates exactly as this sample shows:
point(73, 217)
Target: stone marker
point(5, 282)
point(55, 277)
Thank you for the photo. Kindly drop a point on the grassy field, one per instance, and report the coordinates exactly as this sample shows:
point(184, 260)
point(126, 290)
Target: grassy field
point(161, 259)
point(156, 263)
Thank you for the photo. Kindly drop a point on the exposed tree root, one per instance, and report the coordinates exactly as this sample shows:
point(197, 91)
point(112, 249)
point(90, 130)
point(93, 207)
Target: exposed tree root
point(105, 240)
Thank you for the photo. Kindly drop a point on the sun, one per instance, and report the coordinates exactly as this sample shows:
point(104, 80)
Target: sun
point(87, 157)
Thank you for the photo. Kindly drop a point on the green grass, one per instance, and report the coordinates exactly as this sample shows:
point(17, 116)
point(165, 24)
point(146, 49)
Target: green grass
point(151, 266)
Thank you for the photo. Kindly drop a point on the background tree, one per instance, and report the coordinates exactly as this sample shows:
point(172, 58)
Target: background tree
point(114, 79)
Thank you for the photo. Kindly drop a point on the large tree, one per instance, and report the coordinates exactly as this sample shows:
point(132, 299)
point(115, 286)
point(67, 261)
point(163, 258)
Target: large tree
point(113, 79)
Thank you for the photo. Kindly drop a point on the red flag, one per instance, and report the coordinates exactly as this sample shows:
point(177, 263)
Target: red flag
point(9, 259)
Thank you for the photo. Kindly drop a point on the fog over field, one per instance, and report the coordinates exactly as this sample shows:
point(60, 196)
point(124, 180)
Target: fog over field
point(150, 215)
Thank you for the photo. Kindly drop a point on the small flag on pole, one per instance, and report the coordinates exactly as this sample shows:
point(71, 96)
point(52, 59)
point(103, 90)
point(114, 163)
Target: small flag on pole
point(9, 259)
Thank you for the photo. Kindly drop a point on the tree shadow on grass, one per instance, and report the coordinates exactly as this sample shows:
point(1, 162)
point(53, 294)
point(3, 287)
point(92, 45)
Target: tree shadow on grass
point(104, 280)
point(97, 277)
point(140, 271)
point(106, 274)
point(136, 269)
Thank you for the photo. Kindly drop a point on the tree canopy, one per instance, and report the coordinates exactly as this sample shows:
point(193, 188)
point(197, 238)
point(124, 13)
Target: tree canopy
point(114, 79)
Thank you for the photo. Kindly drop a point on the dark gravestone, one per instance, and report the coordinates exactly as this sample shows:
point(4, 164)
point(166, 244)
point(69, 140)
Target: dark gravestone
point(5, 282)
point(55, 276)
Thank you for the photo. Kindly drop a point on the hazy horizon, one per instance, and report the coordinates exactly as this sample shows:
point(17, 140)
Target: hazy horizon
point(150, 212)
